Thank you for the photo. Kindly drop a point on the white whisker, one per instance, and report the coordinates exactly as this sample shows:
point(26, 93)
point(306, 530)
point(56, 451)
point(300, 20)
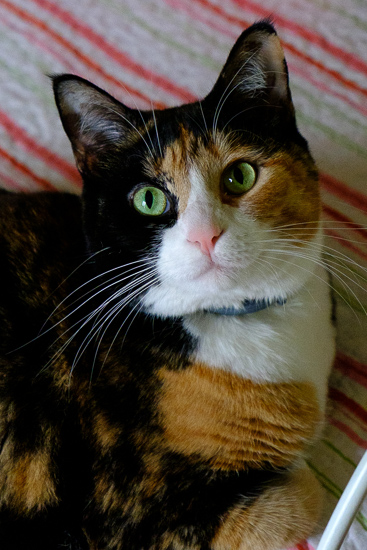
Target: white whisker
point(204, 119)
point(85, 284)
point(134, 128)
point(139, 306)
point(227, 92)
point(108, 318)
point(319, 262)
point(136, 285)
point(156, 132)
point(93, 296)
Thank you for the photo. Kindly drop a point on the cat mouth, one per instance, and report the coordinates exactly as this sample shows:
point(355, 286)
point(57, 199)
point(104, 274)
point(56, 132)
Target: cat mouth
point(211, 268)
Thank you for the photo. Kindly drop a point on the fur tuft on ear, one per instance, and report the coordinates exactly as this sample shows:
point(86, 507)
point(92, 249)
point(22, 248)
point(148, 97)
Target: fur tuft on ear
point(92, 119)
point(256, 68)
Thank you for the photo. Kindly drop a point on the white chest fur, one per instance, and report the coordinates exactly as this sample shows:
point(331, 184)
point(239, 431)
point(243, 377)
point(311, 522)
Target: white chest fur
point(281, 343)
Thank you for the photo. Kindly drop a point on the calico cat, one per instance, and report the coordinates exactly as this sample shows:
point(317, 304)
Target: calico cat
point(166, 338)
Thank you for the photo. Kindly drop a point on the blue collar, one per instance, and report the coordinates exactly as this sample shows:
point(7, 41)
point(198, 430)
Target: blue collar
point(248, 306)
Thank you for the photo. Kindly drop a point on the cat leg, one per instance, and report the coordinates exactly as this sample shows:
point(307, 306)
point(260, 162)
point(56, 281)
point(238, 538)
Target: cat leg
point(282, 516)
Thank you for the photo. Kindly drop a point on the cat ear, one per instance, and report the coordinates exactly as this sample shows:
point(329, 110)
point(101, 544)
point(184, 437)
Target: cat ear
point(256, 68)
point(93, 120)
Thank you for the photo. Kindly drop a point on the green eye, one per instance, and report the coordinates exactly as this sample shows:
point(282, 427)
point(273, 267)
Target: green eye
point(150, 201)
point(239, 178)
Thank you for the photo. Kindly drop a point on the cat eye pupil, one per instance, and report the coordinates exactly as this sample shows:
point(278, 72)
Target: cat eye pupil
point(239, 178)
point(149, 199)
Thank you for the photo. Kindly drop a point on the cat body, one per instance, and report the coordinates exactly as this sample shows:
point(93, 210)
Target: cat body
point(167, 337)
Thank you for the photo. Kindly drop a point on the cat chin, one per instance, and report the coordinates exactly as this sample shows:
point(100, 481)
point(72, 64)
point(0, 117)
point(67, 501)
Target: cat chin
point(186, 291)
point(199, 296)
point(173, 302)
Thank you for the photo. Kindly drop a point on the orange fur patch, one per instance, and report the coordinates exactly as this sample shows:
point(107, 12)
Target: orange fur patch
point(234, 423)
point(172, 168)
point(106, 495)
point(286, 193)
point(26, 483)
point(106, 434)
point(282, 516)
point(183, 155)
point(110, 498)
point(288, 197)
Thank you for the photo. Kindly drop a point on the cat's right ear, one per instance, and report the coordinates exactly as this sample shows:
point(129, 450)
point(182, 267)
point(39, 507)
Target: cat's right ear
point(255, 71)
point(93, 120)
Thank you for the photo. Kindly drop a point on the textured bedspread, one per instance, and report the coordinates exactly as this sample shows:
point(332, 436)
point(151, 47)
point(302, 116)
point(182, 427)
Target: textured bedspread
point(165, 52)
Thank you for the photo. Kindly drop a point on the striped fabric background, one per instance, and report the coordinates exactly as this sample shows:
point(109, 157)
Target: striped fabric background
point(165, 52)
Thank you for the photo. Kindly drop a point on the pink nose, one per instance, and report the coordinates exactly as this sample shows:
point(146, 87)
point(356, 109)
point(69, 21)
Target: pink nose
point(205, 238)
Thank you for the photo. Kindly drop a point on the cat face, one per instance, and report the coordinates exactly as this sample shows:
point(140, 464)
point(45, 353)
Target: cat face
point(219, 199)
point(225, 244)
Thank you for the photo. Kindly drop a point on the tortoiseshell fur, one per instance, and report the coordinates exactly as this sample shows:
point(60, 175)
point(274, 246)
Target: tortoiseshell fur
point(120, 435)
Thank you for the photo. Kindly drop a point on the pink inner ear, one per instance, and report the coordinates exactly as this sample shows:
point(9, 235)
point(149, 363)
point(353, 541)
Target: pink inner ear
point(205, 237)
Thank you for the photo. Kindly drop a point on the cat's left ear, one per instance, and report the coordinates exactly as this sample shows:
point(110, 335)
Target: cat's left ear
point(255, 69)
point(94, 121)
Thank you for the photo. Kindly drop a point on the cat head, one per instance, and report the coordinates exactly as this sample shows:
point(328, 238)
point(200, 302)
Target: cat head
point(216, 201)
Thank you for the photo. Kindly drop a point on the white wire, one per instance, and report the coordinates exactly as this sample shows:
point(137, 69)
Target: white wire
point(346, 509)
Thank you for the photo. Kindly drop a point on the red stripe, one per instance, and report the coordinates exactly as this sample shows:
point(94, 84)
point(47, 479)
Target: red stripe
point(122, 59)
point(349, 432)
point(351, 226)
point(344, 192)
point(352, 421)
point(10, 184)
point(348, 403)
point(346, 243)
point(304, 546)
point(43, 184)
point(242, 22)
point(331, 72)
point(41, 25)
point(330, 184)
point(352, 368)
point(21, 137)
point(33, 36)
point(165, 84)
point(348, 59)
point(348, 223)
point(197, 14)
point(295, 68)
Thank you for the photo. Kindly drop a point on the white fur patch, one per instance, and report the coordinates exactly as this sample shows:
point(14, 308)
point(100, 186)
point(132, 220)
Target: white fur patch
point(294, 342)
point(250, 261)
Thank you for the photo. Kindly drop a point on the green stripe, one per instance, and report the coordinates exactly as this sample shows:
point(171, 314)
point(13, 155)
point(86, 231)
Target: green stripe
point(28, 83)
point(41, 90)
point(320, 103)
point(332, 488)
point(330, 132)
point(346, 292)
point(339, 453)
point(354, 18)
point(361, 3)
point(361, 520)
point(340, 259)
point(167, 39)
point(328, 484)
point(208, 62)
point(349, 299)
